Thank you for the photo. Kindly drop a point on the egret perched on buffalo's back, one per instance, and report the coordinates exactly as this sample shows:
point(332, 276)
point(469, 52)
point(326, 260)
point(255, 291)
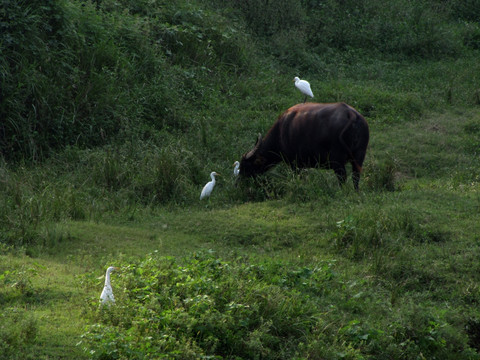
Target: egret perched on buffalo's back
point(107, 293)
point(236, 169)
point(207, 189)
point(304, 87)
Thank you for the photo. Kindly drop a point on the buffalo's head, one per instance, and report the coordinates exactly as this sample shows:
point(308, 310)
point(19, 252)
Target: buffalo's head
point(253, 162)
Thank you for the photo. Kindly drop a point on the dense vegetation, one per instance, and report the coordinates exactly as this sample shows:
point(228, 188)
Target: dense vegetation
point(112, 115)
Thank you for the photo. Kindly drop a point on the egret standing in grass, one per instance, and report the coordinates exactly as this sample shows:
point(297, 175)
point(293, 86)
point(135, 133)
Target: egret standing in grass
point(304, 87)
point(208, 188)
point(236, 168)
point(107, 294)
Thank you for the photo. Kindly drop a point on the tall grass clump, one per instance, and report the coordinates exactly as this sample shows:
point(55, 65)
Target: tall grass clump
point(30, 201)
point(18, 331)
point(360, 235)
point(82, 74)
point(167, 174)
point(83, 184)
point(145, 172)
point(381, 174)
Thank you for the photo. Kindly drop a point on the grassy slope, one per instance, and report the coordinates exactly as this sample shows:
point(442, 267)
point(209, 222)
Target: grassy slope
point(414, 247)
point(405, 260)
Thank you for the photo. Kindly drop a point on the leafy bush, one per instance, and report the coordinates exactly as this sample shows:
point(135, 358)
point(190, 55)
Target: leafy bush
point(203, 306)
point(207, 308)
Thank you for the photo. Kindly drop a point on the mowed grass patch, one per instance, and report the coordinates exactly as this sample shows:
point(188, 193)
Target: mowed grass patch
point(40, 307)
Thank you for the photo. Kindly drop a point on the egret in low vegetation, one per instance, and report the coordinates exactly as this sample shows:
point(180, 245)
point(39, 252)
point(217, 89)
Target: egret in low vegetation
point(107, 294)
point(208, 188)
point(236, 168)
point(304, 87)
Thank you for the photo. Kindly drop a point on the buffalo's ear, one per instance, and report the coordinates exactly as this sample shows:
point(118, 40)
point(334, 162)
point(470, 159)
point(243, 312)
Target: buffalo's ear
point(259, 161)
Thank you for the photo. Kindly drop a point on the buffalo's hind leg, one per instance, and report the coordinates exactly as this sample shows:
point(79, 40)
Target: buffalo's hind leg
point(357, 168)
point(355, 177)
point(341, 173)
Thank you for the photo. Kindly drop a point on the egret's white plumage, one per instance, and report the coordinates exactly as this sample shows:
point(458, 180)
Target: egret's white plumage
point(107, 293)
point(236, 169)
point(304, 87)
point(208, 188)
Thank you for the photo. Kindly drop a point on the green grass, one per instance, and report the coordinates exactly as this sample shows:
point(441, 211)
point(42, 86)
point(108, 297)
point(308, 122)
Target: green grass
point(115, 114)
point(396, 253)
point(402, 262)
point(400, 254)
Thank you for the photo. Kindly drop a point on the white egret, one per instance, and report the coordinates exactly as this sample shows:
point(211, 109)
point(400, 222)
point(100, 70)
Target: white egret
point(304, 87)
point(236, 169)
point(207, 189)
point(107, 293)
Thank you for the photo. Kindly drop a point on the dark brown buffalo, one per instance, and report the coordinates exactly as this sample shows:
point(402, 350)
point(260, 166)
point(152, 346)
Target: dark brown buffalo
point(310, 135)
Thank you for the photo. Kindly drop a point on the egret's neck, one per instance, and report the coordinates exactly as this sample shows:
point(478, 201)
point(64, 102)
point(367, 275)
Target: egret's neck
point(213, 178)
point(107, 278)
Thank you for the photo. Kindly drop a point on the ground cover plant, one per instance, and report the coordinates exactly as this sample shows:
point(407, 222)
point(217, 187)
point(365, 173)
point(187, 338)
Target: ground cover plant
point(114, 113)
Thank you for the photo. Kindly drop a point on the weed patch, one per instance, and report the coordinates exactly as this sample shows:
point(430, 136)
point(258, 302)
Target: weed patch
point(18, 330)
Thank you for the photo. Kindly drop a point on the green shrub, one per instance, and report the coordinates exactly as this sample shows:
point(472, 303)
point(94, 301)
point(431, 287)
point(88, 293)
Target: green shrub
point(207, 307)
point(202, 306)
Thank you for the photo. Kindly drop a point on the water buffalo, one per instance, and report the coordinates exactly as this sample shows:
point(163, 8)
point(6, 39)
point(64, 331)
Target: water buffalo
point(310, 135)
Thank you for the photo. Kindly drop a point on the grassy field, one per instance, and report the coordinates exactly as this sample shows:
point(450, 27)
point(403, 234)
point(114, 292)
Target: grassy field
point(114, 113)
point(402, 261)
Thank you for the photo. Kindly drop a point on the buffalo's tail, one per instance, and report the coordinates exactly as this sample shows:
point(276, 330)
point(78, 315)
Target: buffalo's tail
point(352, 116)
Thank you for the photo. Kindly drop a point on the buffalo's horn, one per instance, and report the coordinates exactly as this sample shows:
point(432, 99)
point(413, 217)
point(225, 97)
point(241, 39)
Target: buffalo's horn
point(259, 140)
point(257, 144)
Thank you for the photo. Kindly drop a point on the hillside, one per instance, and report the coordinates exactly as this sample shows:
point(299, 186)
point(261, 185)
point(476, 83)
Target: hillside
point(114, 113)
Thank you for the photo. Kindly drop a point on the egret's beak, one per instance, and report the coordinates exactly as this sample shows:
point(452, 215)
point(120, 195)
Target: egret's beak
point(116, 268)
point(219, 174)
